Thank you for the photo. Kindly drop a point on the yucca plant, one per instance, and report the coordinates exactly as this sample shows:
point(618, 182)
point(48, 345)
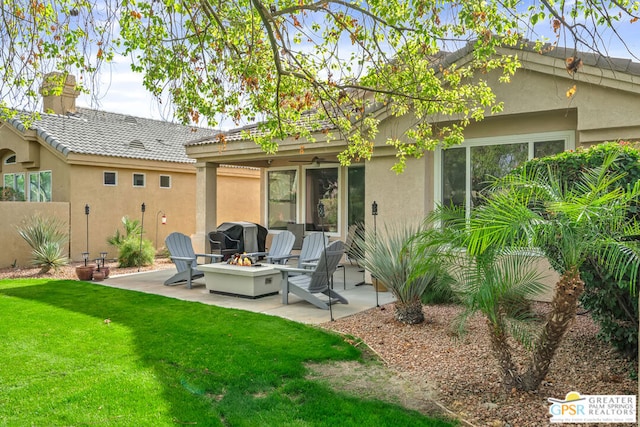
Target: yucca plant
point(47, 240)
point(391, 256)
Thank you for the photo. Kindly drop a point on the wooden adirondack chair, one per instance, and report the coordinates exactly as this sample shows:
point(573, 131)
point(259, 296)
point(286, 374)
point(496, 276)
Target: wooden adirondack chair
point(312, 246)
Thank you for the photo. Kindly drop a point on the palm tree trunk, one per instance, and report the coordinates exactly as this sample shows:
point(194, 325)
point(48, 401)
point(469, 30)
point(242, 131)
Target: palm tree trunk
point(410, 312)
point(502, 352)
point(563, 311)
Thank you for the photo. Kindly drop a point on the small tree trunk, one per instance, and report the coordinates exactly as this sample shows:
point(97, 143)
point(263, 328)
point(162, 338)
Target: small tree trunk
point(410, 312)
point(502, 352)
point(563, 311)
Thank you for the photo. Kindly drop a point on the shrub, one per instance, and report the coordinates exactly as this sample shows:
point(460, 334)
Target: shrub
point(610, 304)
point(47, 241)
point(131, 251)
point(130, 255)
point(9, 194)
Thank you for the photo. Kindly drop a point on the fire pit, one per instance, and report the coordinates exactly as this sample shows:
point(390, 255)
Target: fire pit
point(253, 280)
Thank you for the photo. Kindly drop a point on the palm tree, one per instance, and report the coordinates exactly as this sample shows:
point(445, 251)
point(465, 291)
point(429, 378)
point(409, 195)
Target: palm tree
point(498, 283)
point(570, 224)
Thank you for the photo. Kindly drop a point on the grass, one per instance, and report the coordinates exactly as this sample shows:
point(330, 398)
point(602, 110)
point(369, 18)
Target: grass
point(165, 362)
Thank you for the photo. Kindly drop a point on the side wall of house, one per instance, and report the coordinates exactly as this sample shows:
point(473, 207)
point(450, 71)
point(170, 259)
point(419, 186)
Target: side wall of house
point(79, 181)
point(109, 204)
point(238, 199)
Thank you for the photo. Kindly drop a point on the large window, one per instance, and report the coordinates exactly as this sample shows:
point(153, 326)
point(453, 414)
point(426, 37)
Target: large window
point(466, 170)
point(282, 197)
point(321, 185)
point(15, 182)
point(40, 186)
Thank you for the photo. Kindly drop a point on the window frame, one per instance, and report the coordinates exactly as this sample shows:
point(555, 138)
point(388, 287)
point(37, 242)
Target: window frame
point(144, 179)
point(39, 185)
point(338, 197)
point(160, 182)
point(569, 144)
point(115, 178)
point(9, 157)
point(23, 194)
point(296, 171)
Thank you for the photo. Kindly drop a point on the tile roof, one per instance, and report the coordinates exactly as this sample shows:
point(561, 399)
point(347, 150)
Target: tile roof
point(240, 134)
point(116, 135)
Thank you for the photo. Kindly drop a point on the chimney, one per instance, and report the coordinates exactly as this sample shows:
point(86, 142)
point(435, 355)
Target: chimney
point(59, 93)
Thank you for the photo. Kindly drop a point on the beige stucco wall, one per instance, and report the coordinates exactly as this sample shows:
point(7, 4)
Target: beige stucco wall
point(600, 109)
point(17, 214)
point(78, 180)
point(109, 204)
point(238, 196)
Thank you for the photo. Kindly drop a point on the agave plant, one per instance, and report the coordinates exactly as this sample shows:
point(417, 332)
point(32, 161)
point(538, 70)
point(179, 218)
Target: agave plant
point(391, 256)
point(47, 240)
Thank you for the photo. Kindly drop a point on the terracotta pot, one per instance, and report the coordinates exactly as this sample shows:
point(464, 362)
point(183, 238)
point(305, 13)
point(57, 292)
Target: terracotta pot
point(106, 272)
point(98, 275)
point(85, 272)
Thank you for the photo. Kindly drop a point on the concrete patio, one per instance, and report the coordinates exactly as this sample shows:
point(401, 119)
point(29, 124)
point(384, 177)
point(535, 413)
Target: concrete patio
point(360, 298)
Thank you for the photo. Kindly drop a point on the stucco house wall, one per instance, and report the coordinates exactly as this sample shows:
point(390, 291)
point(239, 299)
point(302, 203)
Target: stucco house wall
point(79, 146)
point(604, 107)
point(15, 215)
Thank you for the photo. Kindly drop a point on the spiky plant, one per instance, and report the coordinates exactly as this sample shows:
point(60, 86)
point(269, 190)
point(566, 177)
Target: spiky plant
point(132, 228)
point(47, 240)
point(390, 255)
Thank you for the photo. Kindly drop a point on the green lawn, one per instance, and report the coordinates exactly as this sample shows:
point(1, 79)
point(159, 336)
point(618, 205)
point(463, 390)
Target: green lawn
point(165, 362)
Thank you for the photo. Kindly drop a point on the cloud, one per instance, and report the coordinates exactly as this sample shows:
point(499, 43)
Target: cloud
point(117, 89)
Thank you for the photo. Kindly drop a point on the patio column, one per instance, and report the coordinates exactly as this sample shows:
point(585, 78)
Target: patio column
point(206, 204)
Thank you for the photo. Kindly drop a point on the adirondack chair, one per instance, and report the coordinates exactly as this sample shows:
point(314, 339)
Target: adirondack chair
point(305, 283)
point(182, 254)
point(280, 250)
point(312, 246)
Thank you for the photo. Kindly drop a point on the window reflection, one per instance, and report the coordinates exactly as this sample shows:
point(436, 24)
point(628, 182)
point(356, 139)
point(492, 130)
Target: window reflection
point(282, 195)
point(321, 185)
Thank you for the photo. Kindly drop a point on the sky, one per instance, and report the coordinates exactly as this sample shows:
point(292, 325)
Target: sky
point(121, 90)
